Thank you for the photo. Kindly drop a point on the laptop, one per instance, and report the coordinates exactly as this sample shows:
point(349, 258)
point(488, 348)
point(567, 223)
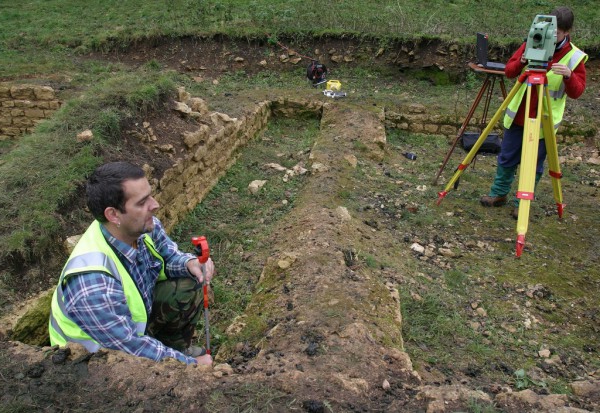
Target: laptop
point(482, 54)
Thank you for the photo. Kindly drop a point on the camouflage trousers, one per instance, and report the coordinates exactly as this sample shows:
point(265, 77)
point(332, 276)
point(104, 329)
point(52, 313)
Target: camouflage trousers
point(176, 308)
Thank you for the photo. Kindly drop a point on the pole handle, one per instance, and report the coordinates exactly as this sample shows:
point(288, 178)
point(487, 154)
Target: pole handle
point(201, 248)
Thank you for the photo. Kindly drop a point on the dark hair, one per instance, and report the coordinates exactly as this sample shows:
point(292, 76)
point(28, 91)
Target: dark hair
point(105, 187)
point(564, 18)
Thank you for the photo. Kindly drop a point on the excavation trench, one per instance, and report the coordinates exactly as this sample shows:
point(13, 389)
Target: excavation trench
point(317, 319)
point(184, 171)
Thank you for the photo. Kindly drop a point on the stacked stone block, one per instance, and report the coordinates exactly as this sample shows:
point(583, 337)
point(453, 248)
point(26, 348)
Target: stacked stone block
point(24, 106)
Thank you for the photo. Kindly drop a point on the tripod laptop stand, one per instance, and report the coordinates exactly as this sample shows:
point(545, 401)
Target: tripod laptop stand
point(531, 134)
point(487, 89)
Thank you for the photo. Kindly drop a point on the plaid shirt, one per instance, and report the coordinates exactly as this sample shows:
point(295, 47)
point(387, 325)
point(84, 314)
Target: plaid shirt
point(97, 303)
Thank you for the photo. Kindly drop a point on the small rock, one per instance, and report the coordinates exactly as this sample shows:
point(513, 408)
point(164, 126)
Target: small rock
point(166, 148)
point(385, 385)
point(85, 136)
point(446, 252)
point(343, 214)
point(319, 167)
point(545, 353)
point(275, 166)
point(225, 368)
point(351, 159)
point(182, 108)
point(256, 185)
point(586, 388)
point(417, 248)
point(70, 242)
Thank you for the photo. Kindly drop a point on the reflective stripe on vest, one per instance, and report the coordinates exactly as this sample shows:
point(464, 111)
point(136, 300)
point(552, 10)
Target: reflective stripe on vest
point(555, 87)
point(90, 345)
point(571, 64)
point(93, 254)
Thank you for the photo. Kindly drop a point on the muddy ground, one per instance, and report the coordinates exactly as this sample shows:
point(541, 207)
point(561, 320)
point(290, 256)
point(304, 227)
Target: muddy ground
point(341, 351)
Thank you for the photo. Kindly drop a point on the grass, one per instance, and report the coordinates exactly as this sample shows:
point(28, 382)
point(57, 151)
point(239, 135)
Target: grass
point(43, 36)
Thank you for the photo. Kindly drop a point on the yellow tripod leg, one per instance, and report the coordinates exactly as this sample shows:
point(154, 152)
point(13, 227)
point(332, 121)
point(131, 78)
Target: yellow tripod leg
point(525, 191)
point(552, 150)
point(484, 134)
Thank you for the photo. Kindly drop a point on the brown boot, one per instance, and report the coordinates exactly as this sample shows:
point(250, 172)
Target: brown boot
point(493, 201)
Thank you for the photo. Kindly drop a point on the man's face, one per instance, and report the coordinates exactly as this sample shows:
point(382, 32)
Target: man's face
point(139, 208)
point(560, 35)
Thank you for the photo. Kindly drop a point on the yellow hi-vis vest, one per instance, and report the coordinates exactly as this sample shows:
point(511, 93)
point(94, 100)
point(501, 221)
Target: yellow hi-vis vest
point(556, 88)
point(93, 254)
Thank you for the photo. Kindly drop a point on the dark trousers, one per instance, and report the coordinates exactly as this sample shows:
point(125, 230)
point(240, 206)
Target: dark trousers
point(510, 150)
point(176, 309)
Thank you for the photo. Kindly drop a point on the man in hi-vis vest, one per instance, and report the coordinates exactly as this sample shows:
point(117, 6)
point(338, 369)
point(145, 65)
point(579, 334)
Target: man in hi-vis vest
point(566, 77)
point(126, 285)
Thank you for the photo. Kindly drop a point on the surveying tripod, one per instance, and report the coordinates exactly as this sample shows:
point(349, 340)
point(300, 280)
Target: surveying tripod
point(531, 134)
point(487, 89)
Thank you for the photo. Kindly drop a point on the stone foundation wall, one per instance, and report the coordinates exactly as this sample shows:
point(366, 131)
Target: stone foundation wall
point(414, 118)
point(24, 106)
point(213, 148)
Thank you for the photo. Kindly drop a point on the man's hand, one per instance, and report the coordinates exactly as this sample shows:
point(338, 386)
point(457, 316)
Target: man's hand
point(561, 70)
point(205, 360)
point(194, 268)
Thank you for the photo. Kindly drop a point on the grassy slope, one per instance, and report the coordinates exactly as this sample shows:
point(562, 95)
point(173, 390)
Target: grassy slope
point(39, 36)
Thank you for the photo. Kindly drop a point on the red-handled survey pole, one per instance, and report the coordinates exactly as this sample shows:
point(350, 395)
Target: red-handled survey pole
point(203, 253)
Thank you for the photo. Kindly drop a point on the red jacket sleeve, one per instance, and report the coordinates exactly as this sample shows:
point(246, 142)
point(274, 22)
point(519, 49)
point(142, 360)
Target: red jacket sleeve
point(514, 67)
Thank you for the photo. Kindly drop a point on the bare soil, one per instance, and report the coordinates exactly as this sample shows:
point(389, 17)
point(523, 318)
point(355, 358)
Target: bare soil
point(341, 349)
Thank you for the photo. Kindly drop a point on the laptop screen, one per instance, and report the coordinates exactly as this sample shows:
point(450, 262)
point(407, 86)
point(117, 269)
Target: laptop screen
point(482, 48)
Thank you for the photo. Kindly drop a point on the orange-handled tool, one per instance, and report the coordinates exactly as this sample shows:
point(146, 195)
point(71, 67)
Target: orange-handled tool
point(203, 253)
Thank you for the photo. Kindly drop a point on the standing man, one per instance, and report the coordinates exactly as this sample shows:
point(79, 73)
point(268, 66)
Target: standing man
point(126, 285)
point(566, 77)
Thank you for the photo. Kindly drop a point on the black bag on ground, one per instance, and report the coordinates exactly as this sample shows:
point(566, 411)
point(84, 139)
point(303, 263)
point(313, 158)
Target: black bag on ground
point(316, 72)
point(490, 145)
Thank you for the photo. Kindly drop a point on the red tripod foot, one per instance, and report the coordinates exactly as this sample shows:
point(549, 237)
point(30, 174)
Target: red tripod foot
point(560, 208)
point(520, 244)
point(441, 196)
